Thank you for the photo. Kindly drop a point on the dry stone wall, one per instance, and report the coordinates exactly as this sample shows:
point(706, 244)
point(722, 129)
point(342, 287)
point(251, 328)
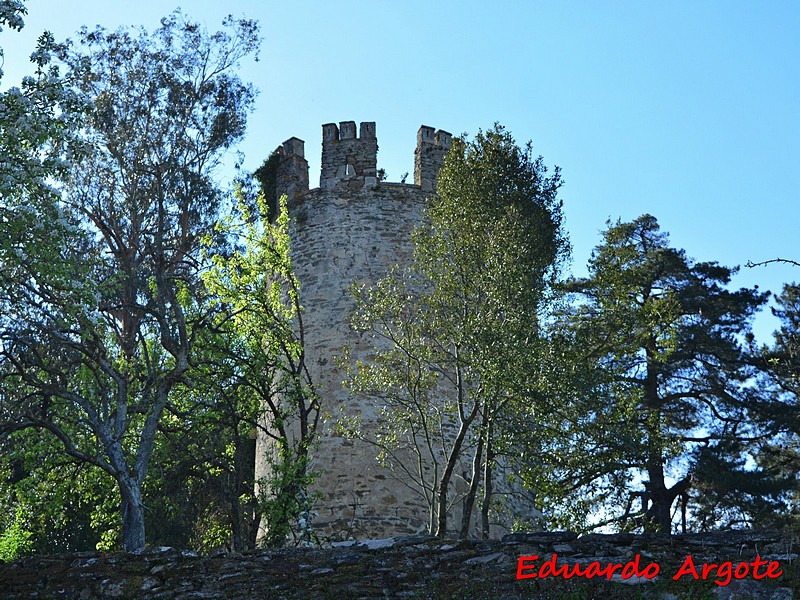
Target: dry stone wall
point(418, 567)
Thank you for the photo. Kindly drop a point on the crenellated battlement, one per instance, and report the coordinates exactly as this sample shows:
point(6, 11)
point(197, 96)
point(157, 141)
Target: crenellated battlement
point(432, 147)
point(291, 172)
point(347, 157)
point(351, 157)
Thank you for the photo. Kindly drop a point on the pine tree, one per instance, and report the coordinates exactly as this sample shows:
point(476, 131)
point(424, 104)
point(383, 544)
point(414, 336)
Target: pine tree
point(667, 338)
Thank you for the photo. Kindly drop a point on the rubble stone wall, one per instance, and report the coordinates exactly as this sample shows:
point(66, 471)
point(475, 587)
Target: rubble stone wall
point(421, 568)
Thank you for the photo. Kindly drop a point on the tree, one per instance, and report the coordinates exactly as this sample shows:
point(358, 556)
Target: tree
point(97, 336)
point(784, 355)
point(457, 334)
point(61, 505)
point(38, 126)
point(254, 361)
point(767, 495)
point(39, 120)
point(779, 453)
point(674, 392)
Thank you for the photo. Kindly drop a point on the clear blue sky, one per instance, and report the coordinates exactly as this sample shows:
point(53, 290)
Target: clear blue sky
point(688, 110)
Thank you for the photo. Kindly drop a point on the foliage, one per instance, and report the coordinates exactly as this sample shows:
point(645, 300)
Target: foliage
point(68, 506)
point(780, 452)
point(285, 500)
point(38, 140)
point(11, 13)
point(784, 356)
point(742, 484)
point(15, 541)
point(101, 319)
point(672, 392)
point(38, 126)
point(38, 120)
point(255, 362)
point(266, 175)
point(457, 335)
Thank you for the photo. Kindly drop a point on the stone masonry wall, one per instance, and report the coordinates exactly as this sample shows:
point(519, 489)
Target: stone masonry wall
point(341, 236)
point(424, 568)
point(432, 147)
point(345, 156)
point(353, 228)
point(292, 172)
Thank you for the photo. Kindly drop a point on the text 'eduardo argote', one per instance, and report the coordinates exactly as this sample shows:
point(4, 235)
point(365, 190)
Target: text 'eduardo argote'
point(723, 573)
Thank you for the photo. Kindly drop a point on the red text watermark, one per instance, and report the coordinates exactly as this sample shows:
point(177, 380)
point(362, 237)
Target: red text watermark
point(530, 567)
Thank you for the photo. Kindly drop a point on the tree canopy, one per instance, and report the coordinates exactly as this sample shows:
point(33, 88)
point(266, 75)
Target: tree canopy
point(668, 341)
point(457, 333)
point(98, 334)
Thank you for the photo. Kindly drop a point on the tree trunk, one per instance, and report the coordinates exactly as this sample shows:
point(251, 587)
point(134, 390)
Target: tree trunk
point(469, 501)
point(433, 503)
point(455, 454)
point(238, 540)
point(659, 516)
point(444, 483)
point(243, 468)
point(441, 510)
point(488, 488)
point(132, 516)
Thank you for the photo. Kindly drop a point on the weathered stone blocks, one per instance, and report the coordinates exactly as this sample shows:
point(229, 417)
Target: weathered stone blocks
point(411, 567)
point(347, 157)
point(432, 147)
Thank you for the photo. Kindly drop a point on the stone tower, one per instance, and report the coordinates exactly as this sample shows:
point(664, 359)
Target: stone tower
point(352, 228)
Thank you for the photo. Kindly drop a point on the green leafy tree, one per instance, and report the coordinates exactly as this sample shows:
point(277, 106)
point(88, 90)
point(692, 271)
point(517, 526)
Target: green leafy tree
point(66, 505)
point(39, 121)
point(15, 540)
point(672, 392)
point(254, 362)
point(457, 335)
point(99, 332)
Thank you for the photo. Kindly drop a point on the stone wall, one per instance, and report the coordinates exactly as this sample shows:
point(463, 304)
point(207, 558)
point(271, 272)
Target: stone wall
point(420, 567)
point(350, 234)
point(291, 175)
point(345, 156)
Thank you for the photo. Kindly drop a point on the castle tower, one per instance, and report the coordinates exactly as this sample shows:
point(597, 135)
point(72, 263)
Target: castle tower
point(352, 228)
